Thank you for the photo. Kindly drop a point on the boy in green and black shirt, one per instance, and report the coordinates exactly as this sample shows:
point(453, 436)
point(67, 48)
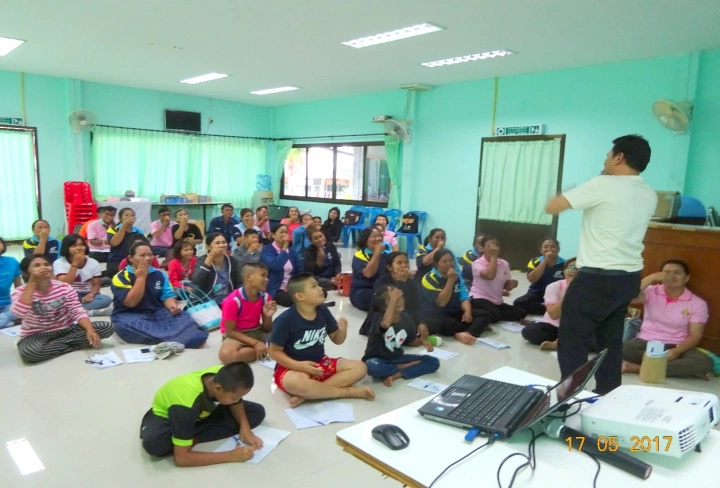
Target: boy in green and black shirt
point(203, 406)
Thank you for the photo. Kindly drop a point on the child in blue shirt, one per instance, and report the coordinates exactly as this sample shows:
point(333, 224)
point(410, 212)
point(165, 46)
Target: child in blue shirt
point(41, 242)
point(9, 276)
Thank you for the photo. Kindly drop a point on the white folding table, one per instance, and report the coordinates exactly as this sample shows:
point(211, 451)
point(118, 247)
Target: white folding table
point(433, 446)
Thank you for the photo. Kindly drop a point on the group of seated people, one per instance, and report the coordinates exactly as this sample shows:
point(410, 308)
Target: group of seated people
point(250, 268)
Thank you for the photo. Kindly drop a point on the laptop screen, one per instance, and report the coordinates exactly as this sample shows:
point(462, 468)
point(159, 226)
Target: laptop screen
point(563, 391)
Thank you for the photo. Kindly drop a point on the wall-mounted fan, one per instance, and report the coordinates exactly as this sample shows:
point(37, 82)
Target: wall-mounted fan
point(81, 120)
point(397, 129)
point(675, 116)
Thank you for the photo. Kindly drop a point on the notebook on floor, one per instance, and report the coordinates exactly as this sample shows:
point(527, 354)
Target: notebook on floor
point(503, 409)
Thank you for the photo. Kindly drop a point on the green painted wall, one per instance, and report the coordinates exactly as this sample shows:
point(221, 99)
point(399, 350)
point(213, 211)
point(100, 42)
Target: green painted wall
point(703, 176)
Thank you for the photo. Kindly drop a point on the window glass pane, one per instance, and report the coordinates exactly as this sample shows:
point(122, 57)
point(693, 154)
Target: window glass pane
point(349, 183)
point(320, 172)
point(377, 177)
point(294, 176)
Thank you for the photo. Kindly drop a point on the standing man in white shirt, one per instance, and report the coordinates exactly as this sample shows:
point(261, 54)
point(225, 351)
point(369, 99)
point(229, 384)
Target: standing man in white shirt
point(617, 207)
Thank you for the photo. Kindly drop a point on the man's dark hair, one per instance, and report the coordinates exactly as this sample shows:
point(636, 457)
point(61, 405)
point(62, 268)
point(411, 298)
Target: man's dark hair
point(677, 262)
point(635, 149)
point(163, 210)
point(70, 240)
point(234, 376)
point(227, 205)
point(439, 255)
point(249, 232)
point(109, 208)
point(297, 284)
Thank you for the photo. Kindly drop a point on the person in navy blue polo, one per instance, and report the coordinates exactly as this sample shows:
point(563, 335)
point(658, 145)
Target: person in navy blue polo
point(41, 242)
point(368, 265)
point(225, 223)
point(541, 271)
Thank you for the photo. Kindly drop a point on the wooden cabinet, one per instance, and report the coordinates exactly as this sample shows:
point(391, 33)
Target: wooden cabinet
point(699, 247)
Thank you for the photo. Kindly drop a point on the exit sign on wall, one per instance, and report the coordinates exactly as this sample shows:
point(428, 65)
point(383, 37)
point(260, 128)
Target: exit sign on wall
point(520, 130)
point(11, 121)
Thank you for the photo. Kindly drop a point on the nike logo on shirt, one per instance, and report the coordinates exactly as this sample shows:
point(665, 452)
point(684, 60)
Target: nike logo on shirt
point(310, 338)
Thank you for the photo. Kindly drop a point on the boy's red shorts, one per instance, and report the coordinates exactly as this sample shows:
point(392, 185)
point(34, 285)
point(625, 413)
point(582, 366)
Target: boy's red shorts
point(328, 365)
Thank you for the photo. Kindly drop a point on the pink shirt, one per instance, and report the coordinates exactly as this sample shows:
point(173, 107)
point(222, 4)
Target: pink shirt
point(55, 310)
point(668, 320)
point(265, 228)
point(491, 290)
point(246, 314)
point(97, 230)
point(389, 237)
point(287, 269)
point(553, 294)
point(166, 238)
point(291, 226)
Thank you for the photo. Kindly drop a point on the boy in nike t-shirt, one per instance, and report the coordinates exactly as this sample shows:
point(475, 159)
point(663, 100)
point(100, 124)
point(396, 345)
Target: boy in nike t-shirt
point(390, 331)
point(297, 345)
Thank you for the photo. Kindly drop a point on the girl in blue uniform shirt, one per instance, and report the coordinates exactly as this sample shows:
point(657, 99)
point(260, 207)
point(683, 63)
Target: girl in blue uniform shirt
point(445, 302)
point(322, 259)
point(434, 241)
point(368, 265)
point(145, 309)
point(470, 257)
point(541, 271)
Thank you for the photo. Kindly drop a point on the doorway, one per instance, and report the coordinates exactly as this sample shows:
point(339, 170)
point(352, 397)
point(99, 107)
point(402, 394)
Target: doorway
point(20, 196)
point(518, 175)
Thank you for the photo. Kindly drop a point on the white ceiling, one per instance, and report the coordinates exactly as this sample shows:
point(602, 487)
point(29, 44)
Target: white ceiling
point(269, 43)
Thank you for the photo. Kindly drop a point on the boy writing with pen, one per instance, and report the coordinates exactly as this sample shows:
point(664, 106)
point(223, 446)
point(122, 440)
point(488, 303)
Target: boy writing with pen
point(297, 344)
point(247, 318)
point(203, 406)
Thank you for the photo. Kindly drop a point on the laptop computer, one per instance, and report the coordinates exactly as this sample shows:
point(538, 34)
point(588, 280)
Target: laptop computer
point(502, 409)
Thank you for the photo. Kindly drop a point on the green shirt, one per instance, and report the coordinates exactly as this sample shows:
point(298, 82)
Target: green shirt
point(183, 401)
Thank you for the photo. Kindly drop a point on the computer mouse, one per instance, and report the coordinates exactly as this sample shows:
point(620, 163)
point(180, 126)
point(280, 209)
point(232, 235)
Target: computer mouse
point(392, 436)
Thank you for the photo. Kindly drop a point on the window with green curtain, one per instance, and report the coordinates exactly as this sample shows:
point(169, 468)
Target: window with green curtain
point(153, 163)
point(18, 198)
point(516, 180)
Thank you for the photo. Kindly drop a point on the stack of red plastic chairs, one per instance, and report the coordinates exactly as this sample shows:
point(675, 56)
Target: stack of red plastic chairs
point(79, 204)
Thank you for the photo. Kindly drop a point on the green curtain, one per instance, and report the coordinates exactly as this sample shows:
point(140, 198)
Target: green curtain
point(153, 163)
point(18, 199)
point(393, 148)
point(282, 149)
point(517, 179)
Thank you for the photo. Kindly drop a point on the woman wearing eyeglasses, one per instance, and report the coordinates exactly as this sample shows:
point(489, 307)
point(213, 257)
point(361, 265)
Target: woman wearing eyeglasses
point(545, 332)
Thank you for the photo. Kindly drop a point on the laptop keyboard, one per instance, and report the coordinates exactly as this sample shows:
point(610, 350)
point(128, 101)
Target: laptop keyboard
point(486, 406)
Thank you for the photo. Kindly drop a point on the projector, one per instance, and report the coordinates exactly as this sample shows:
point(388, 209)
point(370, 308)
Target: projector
point(648, 419)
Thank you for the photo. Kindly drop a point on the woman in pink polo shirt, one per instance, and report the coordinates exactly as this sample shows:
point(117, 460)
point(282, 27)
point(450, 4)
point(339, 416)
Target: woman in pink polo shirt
point(674, 315)
point(491, 276)
point(545, 332)
point(388, 235)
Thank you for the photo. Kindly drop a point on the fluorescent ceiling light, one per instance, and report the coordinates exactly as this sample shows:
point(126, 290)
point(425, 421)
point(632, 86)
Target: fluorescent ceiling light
point(465, 59)
point(204, 78)
point(270, 91)
point(24, 456)
point(7, 45)
point(395, 35)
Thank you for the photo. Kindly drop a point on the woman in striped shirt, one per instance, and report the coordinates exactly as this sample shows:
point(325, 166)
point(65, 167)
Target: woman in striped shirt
point(53, 320)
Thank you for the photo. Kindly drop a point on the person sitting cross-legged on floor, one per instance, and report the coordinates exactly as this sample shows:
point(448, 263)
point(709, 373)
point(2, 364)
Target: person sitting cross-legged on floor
point(541, 272)
point(145, 309)
point(53, 321)
point(297, 344)
point(247, 318)
point(9, 275)
point(675, 316)
point(545, 332)
point(391, 329)
point(82, 272)
point(203, 406)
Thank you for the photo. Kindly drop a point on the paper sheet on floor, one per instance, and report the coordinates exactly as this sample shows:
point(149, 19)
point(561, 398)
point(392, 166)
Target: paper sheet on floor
point(11, 331)
point(440, 353)
point(103, 361)
point(511, 326)
point(268, 363)
point(427, 385)
point(139, 355)
point(270, 437)
point(492, 343)
point(323, 413)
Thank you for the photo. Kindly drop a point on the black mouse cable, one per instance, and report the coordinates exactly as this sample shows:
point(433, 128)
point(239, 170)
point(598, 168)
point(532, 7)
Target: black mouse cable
point(489, 441)
point(530, 459)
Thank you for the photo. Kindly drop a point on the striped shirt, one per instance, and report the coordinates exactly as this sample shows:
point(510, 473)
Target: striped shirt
point(55, 310)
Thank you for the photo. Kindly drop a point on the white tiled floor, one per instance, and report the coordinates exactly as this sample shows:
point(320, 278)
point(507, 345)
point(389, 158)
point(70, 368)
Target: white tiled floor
point(83, 423)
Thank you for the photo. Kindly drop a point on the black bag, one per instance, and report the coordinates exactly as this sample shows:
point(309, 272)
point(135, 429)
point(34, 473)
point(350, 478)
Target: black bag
point(352, 217)
point(409, 223)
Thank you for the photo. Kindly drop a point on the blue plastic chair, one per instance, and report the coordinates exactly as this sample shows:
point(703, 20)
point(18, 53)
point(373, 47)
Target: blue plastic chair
point(393, 215)
point(411, 247)
point(359, 226)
